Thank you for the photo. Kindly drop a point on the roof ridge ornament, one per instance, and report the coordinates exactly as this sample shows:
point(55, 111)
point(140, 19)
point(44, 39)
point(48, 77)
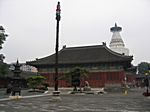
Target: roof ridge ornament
point(104, 43)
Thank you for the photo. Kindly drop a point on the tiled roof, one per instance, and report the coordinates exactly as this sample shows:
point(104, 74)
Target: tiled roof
point(84, 54)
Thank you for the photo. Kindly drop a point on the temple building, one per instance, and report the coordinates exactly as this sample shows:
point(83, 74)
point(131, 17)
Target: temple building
point(105, 66)
point(116, 43)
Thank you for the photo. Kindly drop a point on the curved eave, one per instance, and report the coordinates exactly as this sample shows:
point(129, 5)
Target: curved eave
point(118, 54)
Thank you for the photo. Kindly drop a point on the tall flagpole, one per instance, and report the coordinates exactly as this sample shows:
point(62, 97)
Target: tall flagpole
point(56, 49)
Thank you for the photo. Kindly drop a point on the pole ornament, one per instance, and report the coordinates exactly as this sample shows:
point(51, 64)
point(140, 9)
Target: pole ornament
point(58, 10)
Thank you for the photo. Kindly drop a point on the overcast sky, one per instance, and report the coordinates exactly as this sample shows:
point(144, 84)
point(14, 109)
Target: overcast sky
point(31, 26)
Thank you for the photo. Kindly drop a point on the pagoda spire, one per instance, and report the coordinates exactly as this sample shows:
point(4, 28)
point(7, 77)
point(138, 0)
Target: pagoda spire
point(17, 63)
point(115, 24)
point(115, 28)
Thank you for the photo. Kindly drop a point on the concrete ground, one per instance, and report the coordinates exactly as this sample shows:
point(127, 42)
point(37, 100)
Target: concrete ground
point(134, 101)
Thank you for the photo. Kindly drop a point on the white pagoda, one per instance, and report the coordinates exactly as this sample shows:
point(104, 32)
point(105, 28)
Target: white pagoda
point(116, 43)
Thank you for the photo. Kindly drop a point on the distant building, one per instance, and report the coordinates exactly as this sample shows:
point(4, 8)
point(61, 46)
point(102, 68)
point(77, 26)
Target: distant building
point(28, 68)
point(116, 43)
point(24, 67)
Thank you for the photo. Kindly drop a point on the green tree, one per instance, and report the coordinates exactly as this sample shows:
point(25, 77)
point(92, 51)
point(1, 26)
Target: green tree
point(2, 39)
point(35, 82)
point(75, 76)
point(4, 69)
point(143, 67)
point(2, 36)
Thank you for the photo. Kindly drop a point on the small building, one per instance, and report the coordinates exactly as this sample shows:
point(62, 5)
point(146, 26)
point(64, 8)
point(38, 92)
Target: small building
point(105, 66)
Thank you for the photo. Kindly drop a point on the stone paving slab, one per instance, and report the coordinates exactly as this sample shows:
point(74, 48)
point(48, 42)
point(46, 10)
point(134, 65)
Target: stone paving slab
point(116, 102)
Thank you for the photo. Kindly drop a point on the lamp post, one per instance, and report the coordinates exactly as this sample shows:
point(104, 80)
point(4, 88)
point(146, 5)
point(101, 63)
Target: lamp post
point(56, 92)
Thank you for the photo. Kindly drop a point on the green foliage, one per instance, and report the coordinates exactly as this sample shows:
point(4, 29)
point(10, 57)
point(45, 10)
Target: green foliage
point(3, 69)
point(2, 37)
point(75, 76)
point(143, 67)
point(35, 82)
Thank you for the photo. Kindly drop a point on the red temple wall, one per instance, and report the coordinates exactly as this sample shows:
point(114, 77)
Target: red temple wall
point(95, 79)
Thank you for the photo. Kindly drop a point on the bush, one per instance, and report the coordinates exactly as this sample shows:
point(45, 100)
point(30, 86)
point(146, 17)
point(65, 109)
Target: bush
point(35, 82)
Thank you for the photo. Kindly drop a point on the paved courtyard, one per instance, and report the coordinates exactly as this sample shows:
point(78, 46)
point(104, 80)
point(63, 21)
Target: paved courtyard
point(110, 102)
